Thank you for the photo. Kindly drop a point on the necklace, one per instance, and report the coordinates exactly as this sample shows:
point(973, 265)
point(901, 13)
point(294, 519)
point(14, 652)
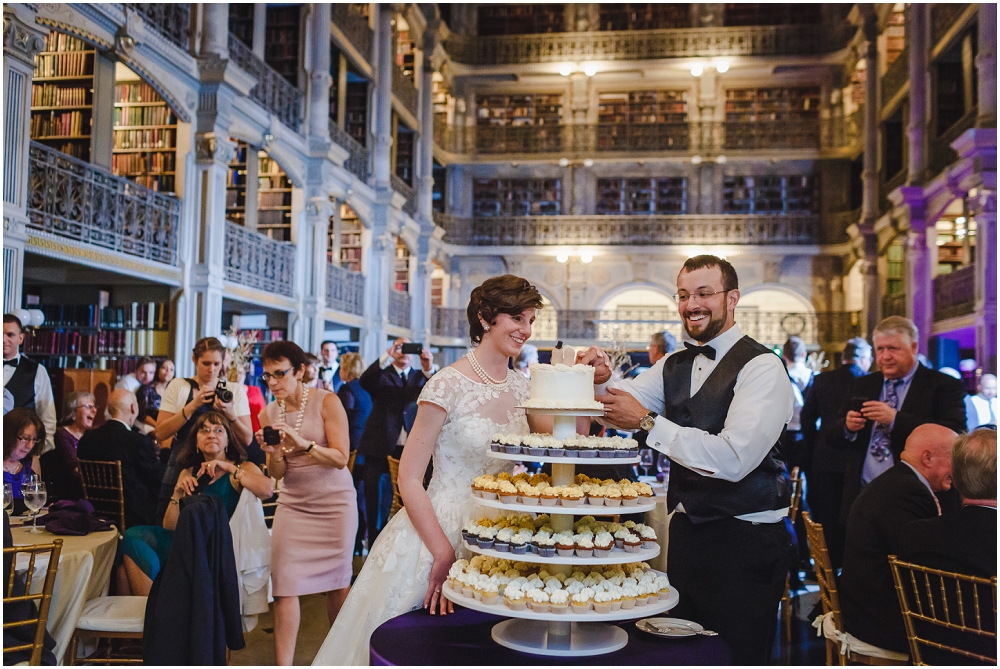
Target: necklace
point(489, 380)
point(302, 411)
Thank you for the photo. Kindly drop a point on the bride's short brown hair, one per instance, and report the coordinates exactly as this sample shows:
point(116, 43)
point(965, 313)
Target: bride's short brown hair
point(507, 294)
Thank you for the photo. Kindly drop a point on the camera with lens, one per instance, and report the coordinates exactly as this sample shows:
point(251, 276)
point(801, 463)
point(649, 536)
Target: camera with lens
point(222, 392)
point(272, 437)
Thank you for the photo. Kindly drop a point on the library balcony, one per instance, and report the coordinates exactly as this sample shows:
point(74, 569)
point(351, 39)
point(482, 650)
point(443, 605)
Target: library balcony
point(894, 305)
point(557, 47)
point(404, 189)
point(172, 20)
point(895, 77)
point(404, 90)
point(273, 92)
point(955, 293)
point(399, 308)
point(636, 230)
point(345, 290)
point(357, 162)
point(256, 261)
point(75, 200)
point(349, 20)
point(940, 154)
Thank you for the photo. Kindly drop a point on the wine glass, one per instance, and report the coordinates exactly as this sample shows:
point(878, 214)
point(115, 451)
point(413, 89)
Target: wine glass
point(8, 498)
point(34, 498)
point(29, 479)
point(663, 466)
point(646, 460)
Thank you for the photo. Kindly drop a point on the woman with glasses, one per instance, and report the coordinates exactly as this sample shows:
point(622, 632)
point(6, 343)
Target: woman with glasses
point(61, 466)
point(213, 451)
point(312, 541)
point(23, 434)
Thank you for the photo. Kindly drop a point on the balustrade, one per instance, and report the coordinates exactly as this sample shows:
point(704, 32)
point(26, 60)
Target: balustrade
point(345, 290)
point(955, 293)
point(404, 90)
point(399, 308)
point(354, 25)
point(273, 92)
point(943, 17)
point(940, 153)
point(896, 76)
point(256, 261)
point(172, 20)
point(404, 189)
point(357, 162)
point(76, 200)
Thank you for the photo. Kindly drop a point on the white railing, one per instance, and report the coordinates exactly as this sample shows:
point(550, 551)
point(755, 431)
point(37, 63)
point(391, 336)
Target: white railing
point(399, 308)
point(357, 162)
point(273, 92)
point(256, 261)
point(345, 290)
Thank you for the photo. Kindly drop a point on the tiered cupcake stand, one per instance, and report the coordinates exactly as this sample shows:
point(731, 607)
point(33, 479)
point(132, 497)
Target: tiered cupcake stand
point(563, 634)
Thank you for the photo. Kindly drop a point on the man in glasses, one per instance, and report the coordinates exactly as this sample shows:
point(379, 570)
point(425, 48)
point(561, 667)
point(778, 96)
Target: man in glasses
point(26, 380)
point(717, 409)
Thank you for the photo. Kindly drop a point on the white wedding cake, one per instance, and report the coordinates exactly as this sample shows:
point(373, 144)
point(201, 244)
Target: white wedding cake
point(562, 387)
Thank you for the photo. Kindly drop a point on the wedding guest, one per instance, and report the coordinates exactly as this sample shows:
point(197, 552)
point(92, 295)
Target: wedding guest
point(525, 359)
point(144, 374)
point(661, 344)
point(164, 375)
point(23, 433)
point(981, 408)
point(27, 380)
point(140, 463)
point(793, 353)
point(212, 451)
point(150, 395)
point(60, 466)
point(255, 398)
point(328, 376)
point(906, 492)
point(717, 409)
point(312, 541)
point(394, 386)
point(358, 405)
point(896, 399)
point(311, 376)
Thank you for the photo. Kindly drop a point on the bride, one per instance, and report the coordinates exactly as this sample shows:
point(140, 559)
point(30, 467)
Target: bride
point(459, 409)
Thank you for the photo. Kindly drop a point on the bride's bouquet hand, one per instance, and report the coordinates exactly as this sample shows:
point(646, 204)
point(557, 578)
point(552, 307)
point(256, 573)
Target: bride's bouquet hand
point(435, 601)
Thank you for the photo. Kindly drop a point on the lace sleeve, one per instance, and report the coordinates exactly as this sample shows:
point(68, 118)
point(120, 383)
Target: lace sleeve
point(522, 388)
point(440, 390)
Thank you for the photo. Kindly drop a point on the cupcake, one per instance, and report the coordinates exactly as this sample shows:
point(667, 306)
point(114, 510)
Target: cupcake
point(529, 494)
point(662, 587)
point(629, 594)
point(585, 546)
point(534, 445)
point(595, 497)
point(606, 450)
point(514, 598)
point(633, 447)
point(491, 593)
point(613, 496)
point(571, 496)
point(538, 600)
point(620, 537)
point(602, 602)
point(630, 497)
point(642, 596)
point(496, 443)
point(558, 601)
point(644, 490)
point(467, 589)
point(603, 543)
point(648, 536)
point(555, 447)
point(633, 544)
point(512, 444)
point(502, 542)
point(487, 537)
point(571, 445)
point(616, 597)
point(587, 448)
point(490, 488)
point(546, 547)
point(507, 492)
point(582, 601)
point(565, 547)
point(518, 546)
point(549, 496)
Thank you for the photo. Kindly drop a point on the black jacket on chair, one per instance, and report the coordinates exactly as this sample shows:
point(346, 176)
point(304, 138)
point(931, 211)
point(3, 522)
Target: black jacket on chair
point(868, 600)
point(391, 394)
point(963, 542)
point(141, 473)
point(193, 610)
point(933, 397)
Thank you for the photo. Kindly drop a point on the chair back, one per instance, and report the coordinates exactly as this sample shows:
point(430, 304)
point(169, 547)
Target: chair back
point(796, 501)
point(397, 499)
point(825, 574)
point(950, 618)
point(14, 593)
point(102, 487)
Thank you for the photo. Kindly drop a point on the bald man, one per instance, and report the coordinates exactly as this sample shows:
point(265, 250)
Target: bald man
point(115, 440)
point(905, 493)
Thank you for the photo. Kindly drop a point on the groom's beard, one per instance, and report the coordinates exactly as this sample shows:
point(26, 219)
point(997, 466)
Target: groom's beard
point(711, 331)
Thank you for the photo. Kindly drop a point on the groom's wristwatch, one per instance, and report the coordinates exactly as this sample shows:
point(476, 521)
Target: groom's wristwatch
point(648, 421)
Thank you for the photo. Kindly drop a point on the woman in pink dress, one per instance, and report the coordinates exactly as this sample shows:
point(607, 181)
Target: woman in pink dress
point(312, 542)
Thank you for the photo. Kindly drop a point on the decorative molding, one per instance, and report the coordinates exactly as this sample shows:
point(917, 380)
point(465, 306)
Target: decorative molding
point(211, 147)
point(54, 247)
point(20, 40)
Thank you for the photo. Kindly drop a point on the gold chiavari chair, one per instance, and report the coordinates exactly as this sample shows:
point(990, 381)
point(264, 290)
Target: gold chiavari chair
point(397, 499)
point(793, 515)
point(351, 460)
point(14, 594)
point(949, 612)
point(102, 487)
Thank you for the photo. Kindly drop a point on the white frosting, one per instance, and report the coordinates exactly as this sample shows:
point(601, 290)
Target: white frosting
point(562, 387)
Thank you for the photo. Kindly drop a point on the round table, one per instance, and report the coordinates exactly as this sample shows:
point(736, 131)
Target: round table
point(464, 638)
point(84, 573)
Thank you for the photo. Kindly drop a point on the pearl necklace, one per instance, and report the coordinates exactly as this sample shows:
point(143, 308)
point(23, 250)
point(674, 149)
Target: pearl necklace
point(302, 411)
point(489, 380)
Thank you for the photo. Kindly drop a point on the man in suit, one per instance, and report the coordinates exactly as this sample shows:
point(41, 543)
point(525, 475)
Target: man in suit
point(982, 407)
point(393, 385)
point(900, 396)
point(329, 366)
point(824, 466)
point(115, 440)
point(906, 492)
point(27, 381)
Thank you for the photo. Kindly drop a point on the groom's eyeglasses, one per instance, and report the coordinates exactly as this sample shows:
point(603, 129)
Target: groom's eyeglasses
point(701, 295)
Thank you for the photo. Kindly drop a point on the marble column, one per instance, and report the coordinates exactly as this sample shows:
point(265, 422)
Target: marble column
point(869, 176)
point(259, 28)
point(918, 275)
point(986, 64)
point(916, 36)
point(215, 29)
point(319, 77)
point(313, 244)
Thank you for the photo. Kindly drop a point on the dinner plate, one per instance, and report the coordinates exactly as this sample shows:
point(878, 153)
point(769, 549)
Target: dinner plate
point(671, 628)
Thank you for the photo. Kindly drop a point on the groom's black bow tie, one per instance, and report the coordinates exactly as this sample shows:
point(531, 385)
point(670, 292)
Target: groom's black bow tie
point(706, 351)
point(12, 362)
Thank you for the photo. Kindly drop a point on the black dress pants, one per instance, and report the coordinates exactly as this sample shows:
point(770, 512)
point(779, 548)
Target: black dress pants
point(730, 575)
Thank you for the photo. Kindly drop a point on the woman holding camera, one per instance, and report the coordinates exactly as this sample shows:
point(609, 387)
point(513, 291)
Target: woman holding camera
point(305, 435)
point(185, 400)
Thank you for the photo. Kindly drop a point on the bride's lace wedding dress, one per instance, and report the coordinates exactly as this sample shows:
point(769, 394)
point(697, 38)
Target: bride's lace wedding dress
point(395, 576)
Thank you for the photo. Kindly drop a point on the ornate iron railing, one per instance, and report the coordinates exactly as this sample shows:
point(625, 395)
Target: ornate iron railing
point(406, 191)
point(630, 230)
point(255, 260)
point(273, 91)
point(404, 90)
point(76, 200)
point(955, 293)
point(399, 308)
point(357, 162)
point(943, 16)
point(354, 25)
point(345, 290)
point(940, 153)
point(648, 44)
point(897, 75)
point(839, 221)
point(172, 20)
point(894, 305)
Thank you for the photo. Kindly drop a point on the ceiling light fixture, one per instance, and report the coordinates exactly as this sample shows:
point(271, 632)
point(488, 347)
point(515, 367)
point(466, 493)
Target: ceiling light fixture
point(566, 69)
point(722, 66)
point(588, 162)
point(697, 70)
point(562, 257)
point(696, 160)
point(590, 69)
point(563, 162)
point(721, 160)
point(586, 257)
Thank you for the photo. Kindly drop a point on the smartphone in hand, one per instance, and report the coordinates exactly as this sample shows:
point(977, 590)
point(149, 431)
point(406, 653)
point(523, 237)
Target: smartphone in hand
point(413, 349)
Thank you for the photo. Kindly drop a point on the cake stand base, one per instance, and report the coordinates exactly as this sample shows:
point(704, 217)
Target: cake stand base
point(562, 639)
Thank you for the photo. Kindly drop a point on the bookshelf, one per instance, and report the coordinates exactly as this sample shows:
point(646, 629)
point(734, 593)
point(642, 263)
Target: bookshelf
point(437, 285)
point(894, 268)
point(62, 95)
point(642, 107)
point(405, 146)
point(274, 200)
point(241, 21)
point(145, 135)
point(643, 196)
point(772, 104)
point(356, 118)
point(771, 14)
point(281, 43)
point(895, 36)
point(405, 54)
point(236, 185)
point(520, 109)
point(521, 19)
point(401, 276)
point(350, 239)
point(794, 194)
point(516, 197)
point(645, 16)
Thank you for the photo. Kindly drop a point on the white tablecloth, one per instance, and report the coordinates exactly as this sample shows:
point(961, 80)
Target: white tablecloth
point(659, 520)
point(84, 573)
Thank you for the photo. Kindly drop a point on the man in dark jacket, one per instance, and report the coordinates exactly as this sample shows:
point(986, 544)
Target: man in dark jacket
point(824, 466)
point(115, 440)
point(906, 492)
point(900, 396)
point(393, 385)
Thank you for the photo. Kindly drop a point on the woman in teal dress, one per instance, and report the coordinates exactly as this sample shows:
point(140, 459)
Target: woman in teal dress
point(211, 450)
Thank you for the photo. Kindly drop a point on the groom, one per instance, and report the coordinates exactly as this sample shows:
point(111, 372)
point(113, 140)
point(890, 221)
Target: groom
point(717, 408)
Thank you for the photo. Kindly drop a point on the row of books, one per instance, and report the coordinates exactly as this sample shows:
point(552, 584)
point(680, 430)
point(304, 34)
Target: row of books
point(143, 162)
point(274, 199)
point(274, 182)
point(103, 342)
point(56, 41)
point(79, 150)
point(144, 116)
point(63, 65)
point(157, 138)
point(137, 92)
point(50, 95)
point(160, 184)
point(120, 363)
point(138, 315)
point(265, 336)
point(63, 124)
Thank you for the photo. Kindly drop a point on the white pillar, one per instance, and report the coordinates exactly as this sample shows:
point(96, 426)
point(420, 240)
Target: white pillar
point(869, 207)
point(319, 77)
point(259, 28)
point(215, 29)
point(425, 165)
point(312, 256)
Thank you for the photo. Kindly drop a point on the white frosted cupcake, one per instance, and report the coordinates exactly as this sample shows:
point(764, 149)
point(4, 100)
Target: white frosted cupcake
point(582, 601)
point(513, 596)
point(602, 602)
point(559, 601)
point(538, 600)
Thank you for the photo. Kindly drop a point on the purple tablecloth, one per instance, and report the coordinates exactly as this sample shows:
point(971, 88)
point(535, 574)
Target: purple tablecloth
point(418, 638)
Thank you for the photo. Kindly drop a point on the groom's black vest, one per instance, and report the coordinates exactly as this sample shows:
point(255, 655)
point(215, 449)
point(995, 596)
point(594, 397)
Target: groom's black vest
point(765, 488)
